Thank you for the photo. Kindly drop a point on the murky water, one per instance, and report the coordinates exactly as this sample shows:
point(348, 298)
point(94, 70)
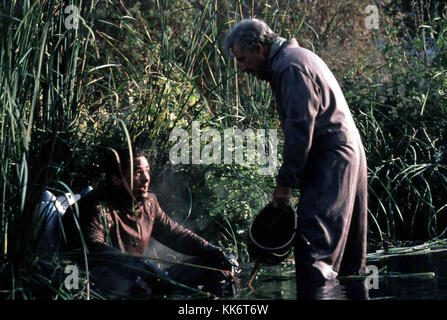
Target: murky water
point(413, 288)
point(418, 274)
point(406, 277)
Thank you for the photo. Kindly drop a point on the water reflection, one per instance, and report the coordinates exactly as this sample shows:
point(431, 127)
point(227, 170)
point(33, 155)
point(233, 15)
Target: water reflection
point(278, 283)
point(413, 277)
point(421, 287)
point(335, 290)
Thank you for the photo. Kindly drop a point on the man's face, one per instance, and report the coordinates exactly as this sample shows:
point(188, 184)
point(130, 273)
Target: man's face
point(253, 62)
point(141, 178)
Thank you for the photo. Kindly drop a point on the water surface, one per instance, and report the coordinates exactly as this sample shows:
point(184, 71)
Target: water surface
point(403, 277)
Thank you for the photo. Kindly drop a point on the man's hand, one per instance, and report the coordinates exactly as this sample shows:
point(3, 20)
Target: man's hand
point(281, 196)
point(221, 258)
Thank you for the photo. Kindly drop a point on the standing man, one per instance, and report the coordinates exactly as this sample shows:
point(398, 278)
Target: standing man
point(323, 155)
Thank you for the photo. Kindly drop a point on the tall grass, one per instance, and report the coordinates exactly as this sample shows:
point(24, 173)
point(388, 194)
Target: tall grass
point(401, 111)
point(159, 65)
point(41, 75)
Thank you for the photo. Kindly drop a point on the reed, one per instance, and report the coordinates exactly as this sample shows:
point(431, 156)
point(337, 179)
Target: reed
point(41, 77)
point(131, 73)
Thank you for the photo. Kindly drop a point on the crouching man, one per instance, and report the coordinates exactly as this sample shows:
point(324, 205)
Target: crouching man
point(323, 154)
point(117, 222)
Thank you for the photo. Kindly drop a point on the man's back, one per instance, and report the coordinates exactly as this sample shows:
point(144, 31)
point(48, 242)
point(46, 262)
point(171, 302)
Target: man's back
point(297, 70)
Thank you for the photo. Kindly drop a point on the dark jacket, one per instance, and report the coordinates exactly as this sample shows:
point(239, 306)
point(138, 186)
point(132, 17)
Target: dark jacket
point(108, 220)
point(310, 104)
point(323, 156)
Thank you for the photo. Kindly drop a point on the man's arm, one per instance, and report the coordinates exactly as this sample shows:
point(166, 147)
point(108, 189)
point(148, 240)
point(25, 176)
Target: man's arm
point(282, 195)
point(300, 101)
point(182, 240)
point(170, 233)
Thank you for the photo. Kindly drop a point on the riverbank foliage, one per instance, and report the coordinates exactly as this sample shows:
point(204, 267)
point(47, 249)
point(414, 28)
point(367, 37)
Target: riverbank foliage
point(134, 71)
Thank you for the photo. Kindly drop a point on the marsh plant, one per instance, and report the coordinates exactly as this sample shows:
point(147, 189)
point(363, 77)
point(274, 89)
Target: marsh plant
point(115, 73)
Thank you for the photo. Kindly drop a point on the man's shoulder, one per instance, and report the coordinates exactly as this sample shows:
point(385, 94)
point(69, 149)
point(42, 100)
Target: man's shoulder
point(292, 50)
point(94, 201)
point(151, 198)
point(80, 215)
point(294, 56)
point(152, 206)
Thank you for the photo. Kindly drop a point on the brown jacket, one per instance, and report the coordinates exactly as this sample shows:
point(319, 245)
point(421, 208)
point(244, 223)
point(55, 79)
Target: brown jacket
point(128, 228)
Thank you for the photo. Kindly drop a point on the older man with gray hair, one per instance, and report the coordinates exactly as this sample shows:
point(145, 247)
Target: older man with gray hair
point(323, 155)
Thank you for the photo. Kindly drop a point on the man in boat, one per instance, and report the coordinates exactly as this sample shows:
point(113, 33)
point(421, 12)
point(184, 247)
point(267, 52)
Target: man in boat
point(120, 218)
point(323, 155)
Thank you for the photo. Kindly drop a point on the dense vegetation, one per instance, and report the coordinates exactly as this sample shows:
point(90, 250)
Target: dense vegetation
point(133, 72)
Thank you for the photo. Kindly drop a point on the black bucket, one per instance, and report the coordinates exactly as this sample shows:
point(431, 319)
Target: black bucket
point(271, 234)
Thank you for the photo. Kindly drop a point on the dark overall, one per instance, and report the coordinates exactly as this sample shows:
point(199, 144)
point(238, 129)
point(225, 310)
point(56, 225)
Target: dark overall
point(324, 158)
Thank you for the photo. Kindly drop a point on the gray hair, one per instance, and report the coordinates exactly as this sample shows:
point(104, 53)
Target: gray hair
point(247, 34)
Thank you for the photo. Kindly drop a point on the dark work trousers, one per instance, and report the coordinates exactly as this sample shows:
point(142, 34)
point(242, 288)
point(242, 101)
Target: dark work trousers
point(332, 213)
